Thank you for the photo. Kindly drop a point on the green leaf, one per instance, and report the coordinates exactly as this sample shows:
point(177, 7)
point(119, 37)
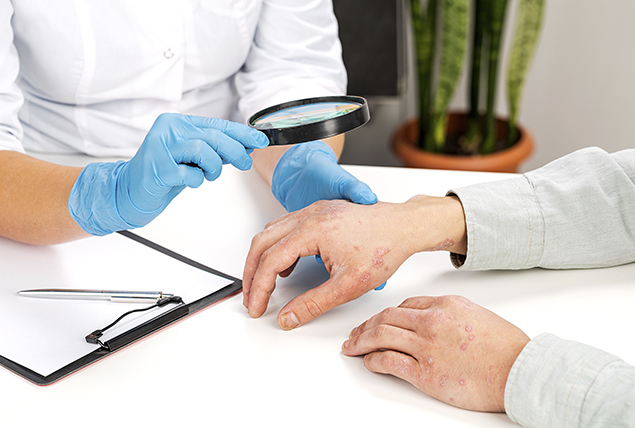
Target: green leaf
point(496, 21)
point(528, 26)
point(424, 27)
point(454, 31)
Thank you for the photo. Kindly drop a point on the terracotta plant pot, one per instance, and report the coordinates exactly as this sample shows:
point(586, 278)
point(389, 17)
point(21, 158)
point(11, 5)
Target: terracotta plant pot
point(507, 160)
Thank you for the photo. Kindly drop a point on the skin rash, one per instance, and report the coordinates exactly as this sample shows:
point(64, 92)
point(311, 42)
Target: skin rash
point(378, 260)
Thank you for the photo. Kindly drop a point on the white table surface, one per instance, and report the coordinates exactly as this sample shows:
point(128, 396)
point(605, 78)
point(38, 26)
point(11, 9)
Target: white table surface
point(222, 368)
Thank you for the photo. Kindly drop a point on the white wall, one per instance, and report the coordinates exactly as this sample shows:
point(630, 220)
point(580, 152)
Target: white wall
point(580, 90)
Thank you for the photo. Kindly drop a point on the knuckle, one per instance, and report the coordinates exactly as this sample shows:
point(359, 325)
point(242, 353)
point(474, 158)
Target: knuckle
point(345, 290)
point(382, 360)
point(452, 301)
point(429, 318)
point(196, 147)
point(214, 136)
point(413, 315)
point(444, 300)
point(312, 307)
point(410, 301)
point(266, 256)
point(255, 241)
point(385, 314)
point(219, 124)
point(378, 333)
point(167, 117)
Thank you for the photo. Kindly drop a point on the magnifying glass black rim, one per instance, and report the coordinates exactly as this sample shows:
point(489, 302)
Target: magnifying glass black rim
point(317, 130)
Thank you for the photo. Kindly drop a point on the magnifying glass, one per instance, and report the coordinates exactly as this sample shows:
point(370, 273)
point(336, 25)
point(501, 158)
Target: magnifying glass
point(311, 119)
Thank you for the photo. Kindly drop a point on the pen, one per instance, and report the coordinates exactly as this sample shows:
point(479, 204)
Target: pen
point(112, 295)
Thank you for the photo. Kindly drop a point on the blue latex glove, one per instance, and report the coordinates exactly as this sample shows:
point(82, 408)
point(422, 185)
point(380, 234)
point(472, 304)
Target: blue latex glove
point(309, 172)
point(179, 151)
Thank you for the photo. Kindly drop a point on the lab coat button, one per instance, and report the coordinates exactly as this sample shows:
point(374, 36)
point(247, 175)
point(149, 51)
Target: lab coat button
point(168, 53)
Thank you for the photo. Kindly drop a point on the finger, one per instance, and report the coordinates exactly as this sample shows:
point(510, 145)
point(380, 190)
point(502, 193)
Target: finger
point(278, 258)
point(419, 302)
point(230, 150)
point(197, 155)
point(412, 319)
point(393, 363)
point(357, 192)
point(282, 274)
point(273, 232)
point(259, 243)
point(319, 300)
point(383, 337)
point(248, 137)
point(173, 174)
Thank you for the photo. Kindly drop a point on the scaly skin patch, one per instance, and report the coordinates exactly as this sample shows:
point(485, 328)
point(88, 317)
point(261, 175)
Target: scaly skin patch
point(378, 260)
point(335, 211)
point(364, 277)
point(443, 245)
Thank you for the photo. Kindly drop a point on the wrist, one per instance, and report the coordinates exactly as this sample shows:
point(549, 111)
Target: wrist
point(92, 202)
point(438, 223)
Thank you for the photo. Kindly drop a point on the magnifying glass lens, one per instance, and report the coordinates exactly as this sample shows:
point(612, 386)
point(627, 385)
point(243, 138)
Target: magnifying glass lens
point(305, 114)
point(311, 119)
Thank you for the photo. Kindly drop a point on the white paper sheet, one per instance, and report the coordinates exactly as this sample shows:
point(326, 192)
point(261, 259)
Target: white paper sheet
point(47, 334)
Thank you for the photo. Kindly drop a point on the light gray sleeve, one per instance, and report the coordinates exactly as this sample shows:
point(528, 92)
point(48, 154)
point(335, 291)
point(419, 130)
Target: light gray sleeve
point(575, 212)
point(560, 383)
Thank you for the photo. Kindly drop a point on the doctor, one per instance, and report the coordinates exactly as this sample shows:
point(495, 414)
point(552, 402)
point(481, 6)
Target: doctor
point(97, 77)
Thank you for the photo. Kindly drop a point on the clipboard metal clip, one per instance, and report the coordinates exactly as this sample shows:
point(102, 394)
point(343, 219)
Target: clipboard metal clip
point(94, 337)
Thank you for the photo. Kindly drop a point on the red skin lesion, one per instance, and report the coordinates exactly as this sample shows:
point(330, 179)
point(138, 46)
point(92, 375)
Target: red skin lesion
point(364, 277)
point(378, 260)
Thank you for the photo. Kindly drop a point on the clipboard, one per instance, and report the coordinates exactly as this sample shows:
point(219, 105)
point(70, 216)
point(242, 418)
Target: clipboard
point(143, 257)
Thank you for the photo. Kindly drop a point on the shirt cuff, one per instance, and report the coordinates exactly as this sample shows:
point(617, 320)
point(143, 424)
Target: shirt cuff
point(551, 382)
point(505, 226)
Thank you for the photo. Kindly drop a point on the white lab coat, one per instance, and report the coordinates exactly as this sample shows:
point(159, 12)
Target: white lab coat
point(84, 76)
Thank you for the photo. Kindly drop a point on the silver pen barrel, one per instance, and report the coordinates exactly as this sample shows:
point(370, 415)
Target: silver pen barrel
point(137, 296)
point(112, 295)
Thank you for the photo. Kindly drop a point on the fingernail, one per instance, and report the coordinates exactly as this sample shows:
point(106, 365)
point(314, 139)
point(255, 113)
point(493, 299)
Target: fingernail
point(350, 336)
point(289, 321)
point(346, 343)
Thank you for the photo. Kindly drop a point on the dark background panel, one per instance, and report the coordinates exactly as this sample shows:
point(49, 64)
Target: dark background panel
point(369, 31)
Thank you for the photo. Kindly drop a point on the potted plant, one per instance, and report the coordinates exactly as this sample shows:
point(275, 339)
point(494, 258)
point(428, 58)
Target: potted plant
point(476, 139)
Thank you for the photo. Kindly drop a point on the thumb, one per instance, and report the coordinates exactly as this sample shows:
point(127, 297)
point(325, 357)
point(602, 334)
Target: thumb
point(317, 301)
point(357, 192)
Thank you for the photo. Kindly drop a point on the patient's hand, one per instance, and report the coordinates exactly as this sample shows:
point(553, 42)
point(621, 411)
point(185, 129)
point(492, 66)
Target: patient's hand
point(361, 246)
point(448, 347)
